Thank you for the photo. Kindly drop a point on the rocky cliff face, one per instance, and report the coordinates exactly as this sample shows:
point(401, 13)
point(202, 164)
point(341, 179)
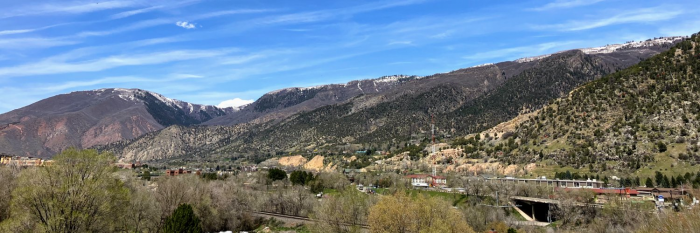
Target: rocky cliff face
point(89, 118)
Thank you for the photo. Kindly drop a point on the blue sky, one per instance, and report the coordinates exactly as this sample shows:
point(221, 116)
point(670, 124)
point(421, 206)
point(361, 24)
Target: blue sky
point(211, 51)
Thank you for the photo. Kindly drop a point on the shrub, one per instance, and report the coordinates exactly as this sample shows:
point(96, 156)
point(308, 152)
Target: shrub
point(183, 220)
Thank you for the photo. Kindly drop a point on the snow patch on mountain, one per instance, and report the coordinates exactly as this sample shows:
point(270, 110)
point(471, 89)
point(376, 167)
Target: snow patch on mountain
point(383, 80)
point(633, 44)
point(236, 103)
point(131, 95)
point(614, 47)
point(535, 58)
point(482, 65)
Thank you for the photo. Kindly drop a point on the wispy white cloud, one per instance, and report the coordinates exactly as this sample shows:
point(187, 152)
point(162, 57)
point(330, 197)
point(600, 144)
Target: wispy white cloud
point(105, 50)
point(28, 30)
point(135, 12)
point(685, 28)
point(66, 7)
point(315, 16)
point(131, 80)
point(400, 42)
point(234, 60)
point(229, 12)
point(646, 15)
point(560, 4)
point(57, 87)
point(185, 25)
point(380, 5)
point(34, 43)
point(18, 31)
point(444, 34)
point(164, 21)
point(169, 4)
point(521, 51)
point(185, 76)
point(236, 102)
point(418, 31)
point(52, 66)
point(135, 26)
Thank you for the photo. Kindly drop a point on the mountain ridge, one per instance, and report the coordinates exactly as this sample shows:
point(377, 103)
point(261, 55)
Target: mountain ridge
point(88, 118)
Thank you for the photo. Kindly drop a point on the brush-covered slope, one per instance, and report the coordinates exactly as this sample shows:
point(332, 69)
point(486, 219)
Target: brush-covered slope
point(469, 104)
point(627, 120)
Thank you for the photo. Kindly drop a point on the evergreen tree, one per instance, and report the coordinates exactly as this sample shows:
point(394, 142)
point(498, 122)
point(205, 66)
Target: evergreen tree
point(649, 183)
point(661, 146)
point(276, 174)
point(680, 180)
point(301, 177)
point(146, 175)
point(666, 183)
point(183, 220)
point(659, 179)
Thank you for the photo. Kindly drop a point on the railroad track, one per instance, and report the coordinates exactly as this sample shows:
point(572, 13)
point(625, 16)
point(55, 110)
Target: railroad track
point(300, 218)
point(273, 214)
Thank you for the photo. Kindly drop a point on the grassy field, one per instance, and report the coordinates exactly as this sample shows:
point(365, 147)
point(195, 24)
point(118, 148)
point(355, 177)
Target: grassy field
point(455, 198)
point(548, 170)
point(331, 191)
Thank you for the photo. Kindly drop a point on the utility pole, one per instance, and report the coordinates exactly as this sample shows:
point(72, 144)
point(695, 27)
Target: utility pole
point(433, 154)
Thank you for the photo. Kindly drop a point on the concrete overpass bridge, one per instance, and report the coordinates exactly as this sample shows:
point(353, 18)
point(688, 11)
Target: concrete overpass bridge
point(540, 209)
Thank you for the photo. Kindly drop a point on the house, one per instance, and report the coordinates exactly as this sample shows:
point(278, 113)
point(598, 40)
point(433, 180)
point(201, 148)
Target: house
point(178, 171)
point(668, 193)
point(351, 173)
point(129, 165)
point(249, 168)
point(425, 180)
point(616, 192)
point(24, 161)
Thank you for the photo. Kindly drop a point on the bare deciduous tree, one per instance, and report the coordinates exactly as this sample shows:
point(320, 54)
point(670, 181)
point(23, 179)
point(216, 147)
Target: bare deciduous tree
point(343, 212)
point(7, 184)
point(77, 194)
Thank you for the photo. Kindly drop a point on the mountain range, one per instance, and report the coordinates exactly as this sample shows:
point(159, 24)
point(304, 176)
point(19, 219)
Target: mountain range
point(380, 113)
